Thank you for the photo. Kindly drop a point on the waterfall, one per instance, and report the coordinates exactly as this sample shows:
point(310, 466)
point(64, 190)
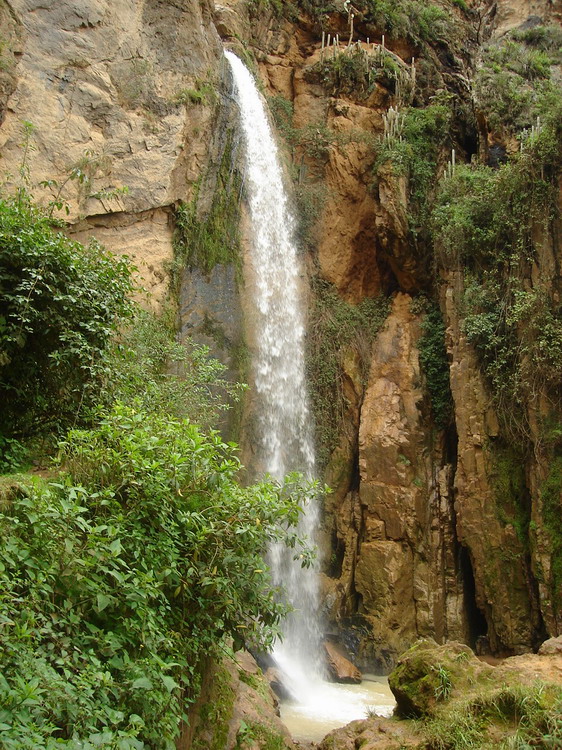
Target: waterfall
point(283, 441)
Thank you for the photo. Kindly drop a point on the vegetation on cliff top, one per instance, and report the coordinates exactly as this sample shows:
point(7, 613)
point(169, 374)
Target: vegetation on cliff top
point(489, 221)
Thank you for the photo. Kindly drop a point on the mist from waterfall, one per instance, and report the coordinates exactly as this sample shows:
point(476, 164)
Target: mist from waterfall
point(282, 439)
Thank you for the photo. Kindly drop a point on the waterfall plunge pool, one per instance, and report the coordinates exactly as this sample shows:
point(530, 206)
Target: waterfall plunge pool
point(332, 705)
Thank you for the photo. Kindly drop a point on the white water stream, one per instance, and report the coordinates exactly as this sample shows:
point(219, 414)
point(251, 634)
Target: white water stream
point(282, 439)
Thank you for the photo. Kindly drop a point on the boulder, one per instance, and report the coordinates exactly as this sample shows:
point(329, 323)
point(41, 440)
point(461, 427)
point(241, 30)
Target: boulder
point(372, 734)
point(340, 667)
point(274, 677)
point(428, 674)
point(552, 646)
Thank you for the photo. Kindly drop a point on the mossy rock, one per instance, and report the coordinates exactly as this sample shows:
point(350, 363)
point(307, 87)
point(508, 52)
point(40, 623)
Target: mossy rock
point(428, 674)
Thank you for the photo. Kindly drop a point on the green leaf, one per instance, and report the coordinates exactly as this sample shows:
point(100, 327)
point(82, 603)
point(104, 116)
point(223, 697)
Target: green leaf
point(115, 546)
point(142, 683)
point(169, 683)
point(103, 601)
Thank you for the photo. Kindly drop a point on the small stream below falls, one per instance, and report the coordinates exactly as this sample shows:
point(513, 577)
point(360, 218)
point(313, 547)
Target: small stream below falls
point(331, 706)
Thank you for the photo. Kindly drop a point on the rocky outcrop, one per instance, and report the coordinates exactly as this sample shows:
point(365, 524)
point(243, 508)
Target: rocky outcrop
point(105, 87)
point(340, 667)
point(372, 734)
point(236, 708)
point(398, 530)
point(458, 696)
point(503, 580)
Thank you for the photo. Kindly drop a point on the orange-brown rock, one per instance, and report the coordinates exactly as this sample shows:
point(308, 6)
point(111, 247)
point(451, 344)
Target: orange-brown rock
point(243, 698)
point(373, 734)
point(498, 559)
point(340, 668)
point(399, 569)
point(102, 85)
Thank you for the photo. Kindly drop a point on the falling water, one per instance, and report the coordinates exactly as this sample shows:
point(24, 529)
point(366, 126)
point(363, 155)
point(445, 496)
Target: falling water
point(283, 439)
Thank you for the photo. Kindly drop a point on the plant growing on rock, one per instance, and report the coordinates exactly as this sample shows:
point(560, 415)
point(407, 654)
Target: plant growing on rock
point(336, 327)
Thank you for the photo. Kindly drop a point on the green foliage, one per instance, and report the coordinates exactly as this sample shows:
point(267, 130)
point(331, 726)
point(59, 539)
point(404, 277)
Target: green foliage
point(204, 241)
point(409, 19)
point(282, 111)
point(423, 135)
point(314, 139)
point(444, 686)
point(507, 477)
point(488, 221)
point(14, 455)
point(513, 85)
point(435, 366)
point(117, 580)
point(253, 732)
point(256, 7)
point(545, 38)
point(60, 303)
point(335, 330)
point(352, 73)
point(517, 716)
point(147, 366)
point(461, 4)
point(203, 93)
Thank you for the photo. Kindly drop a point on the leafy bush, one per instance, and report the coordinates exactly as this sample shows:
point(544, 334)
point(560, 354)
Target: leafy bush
point(60, 303)
point(117, 580)
point(546, 38)
point(487, 220)
point(147, 365)
point(513, 85)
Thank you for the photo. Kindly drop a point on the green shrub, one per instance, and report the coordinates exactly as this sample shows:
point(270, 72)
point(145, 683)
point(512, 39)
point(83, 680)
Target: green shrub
point(513, 85)
point(435, 366)
point(203, 93)
point(117, 580)
point(409, 19)
point(487, 221)
point(148, 366)
point(546, 38)
point(60, 303)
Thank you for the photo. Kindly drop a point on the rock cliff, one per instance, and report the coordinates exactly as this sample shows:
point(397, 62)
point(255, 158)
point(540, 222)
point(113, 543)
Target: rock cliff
point(437, 527)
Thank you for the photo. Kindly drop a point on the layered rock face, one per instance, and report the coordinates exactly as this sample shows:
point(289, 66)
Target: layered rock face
point(101, 84)
point(420, 538)
point(126, 94)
